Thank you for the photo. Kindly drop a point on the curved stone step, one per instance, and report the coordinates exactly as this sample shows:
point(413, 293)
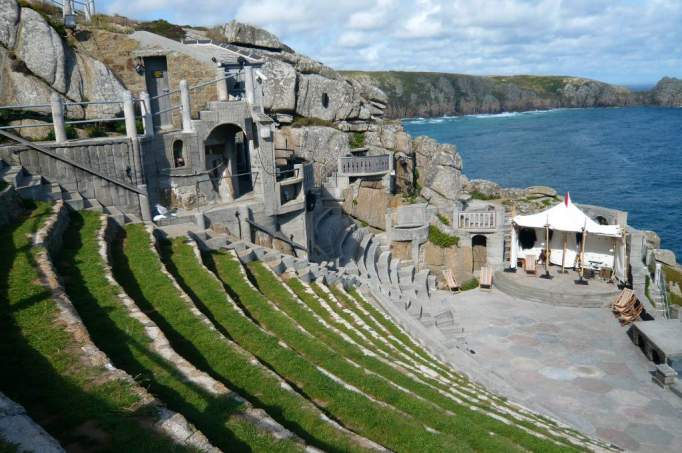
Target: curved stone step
point(383, 264)
point(421, 283)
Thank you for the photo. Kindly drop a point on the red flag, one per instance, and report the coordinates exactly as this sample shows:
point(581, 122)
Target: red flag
point(567, 199)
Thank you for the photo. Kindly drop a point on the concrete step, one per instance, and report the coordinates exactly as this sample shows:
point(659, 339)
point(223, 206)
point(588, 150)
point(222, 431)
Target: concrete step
point(92, 204)
point(11, 174)
point(74, 200)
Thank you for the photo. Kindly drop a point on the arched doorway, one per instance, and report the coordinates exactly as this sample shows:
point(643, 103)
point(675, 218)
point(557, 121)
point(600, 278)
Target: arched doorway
point(228, 162)
point(479, 245)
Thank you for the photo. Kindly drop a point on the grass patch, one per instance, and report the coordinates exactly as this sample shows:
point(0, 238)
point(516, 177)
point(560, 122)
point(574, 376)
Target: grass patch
point(673, 275)
point(478, 195)
point(163, 28)
point(442, 239)
point(42, 369)
point(356, 140)
point(124, 340)
point(472, 283)
point(443, 219)
point(304, 121)
point(137, 269)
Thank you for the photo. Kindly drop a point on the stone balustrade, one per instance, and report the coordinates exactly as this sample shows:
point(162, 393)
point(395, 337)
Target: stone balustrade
point(365, 165)
point(486, 220)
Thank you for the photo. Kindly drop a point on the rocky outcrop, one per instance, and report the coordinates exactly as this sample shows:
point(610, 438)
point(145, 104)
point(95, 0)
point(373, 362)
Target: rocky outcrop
point(250, 36)
point(439, 170)
point(36, 62)
point(279, 90)
point(437, 94)
point(9, 22)
point(318, 144)
point(667, 92)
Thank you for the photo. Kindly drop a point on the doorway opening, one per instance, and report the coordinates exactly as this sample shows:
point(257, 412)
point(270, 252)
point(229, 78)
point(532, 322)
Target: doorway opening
point(228, 162)
point(479, 245)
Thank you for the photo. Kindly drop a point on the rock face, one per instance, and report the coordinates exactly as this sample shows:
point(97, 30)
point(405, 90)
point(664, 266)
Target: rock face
point(667, 92)
point(279, 91)
point(438, 94)
point(37, 63)
point(440, 170)
point(318, 144)
point(9, 21)
point(250, 36)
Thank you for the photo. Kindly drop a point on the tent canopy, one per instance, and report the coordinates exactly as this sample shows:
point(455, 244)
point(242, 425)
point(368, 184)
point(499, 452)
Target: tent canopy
point(566, 216)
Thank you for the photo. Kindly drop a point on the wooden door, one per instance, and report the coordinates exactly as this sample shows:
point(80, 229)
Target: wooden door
point(479, 252)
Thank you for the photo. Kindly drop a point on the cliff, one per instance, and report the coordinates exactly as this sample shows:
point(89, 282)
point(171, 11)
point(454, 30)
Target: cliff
point(413, 94)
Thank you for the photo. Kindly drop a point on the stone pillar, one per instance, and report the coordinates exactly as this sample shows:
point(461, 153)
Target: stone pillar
point(145, 208)
point(58, 118)
point(221, 84)
point(67, 8)
point(147, 119)
point(186, 107)
point(90, 10)
point(249, 85)
point(129, 114)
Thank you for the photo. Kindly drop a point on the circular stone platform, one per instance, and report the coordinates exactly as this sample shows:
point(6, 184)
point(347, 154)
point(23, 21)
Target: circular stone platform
point(560, 290)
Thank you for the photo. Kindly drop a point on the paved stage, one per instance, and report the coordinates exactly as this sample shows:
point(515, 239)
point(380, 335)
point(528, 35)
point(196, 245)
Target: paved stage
point(576, 364)
point(561, 289)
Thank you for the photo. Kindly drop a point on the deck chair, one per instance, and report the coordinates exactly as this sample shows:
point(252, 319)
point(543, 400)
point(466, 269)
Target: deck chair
point(486, 280)
point(632, 314)
point(530, 264)
point(623, 301)
point(451, 281)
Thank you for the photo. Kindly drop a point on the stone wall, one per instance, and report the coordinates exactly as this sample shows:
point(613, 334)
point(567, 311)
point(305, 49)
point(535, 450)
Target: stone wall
point(111, 157)
point(10, 206)
point(458, 259)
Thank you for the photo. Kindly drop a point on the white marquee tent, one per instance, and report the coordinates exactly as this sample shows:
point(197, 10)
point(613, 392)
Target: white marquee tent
point(604, 247)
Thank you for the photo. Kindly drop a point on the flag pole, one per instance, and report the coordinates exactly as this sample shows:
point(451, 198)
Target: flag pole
point(563, 256)
point(547, 251)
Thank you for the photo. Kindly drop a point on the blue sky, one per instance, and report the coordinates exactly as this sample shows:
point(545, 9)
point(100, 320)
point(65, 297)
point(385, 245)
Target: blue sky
point(618, 41)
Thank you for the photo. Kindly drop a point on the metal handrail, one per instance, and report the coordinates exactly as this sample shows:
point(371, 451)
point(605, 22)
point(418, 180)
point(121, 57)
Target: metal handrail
point(169, 93)
point(170, 109)
point(97, 120)
point(203, 84)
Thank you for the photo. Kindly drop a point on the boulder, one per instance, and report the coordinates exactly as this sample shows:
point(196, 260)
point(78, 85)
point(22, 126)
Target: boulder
point(9, 22)
point(440, 169)
point(279, 90)
point(251, 36)
point(666, 257)
point(369, 205)
point(328, 99)
point(483, 186)
point(542, 191)
point(42, 49)
point(39, 132)
point(99, 84)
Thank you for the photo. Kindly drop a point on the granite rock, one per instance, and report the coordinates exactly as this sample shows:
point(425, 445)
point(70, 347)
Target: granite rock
point(251, 36)
point(9, 22)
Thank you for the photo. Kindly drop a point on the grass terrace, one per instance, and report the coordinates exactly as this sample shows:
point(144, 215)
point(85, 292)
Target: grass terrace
point(138, 269)
point(379, 423)
point(43, 368)
point(125, 341)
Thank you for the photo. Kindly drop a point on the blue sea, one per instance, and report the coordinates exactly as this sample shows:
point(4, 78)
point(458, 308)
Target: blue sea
point(623, 158)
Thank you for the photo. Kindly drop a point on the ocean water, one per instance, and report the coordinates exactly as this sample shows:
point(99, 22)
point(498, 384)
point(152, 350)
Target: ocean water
point(623, 158)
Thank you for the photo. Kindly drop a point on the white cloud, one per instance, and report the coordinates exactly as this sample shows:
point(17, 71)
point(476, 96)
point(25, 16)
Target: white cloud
point(625, 41)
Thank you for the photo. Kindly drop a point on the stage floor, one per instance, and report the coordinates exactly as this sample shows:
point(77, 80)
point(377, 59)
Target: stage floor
point(561, 289)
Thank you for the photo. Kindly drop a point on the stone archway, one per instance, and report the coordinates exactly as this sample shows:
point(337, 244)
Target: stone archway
point(479, 245)
point(228, 162)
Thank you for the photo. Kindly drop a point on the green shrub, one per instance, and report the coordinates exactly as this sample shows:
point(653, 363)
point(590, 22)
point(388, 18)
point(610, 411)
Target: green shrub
point(673, 276)
point(302, 121)
point(443, 219)
point(357, 140)
point(163, 28)
point(440, 238)
point(71, 133)
point(477, 195)
point(472, 283)
point(95, 131)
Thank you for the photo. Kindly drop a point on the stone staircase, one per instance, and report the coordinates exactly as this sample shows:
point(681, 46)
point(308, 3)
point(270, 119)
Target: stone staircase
point(36, 187)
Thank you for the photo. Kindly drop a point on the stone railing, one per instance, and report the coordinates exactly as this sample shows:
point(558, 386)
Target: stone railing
point(365, 165)
point(486, 220)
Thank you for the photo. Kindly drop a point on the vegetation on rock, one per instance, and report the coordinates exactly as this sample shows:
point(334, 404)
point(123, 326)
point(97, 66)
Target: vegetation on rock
point(442, 239)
